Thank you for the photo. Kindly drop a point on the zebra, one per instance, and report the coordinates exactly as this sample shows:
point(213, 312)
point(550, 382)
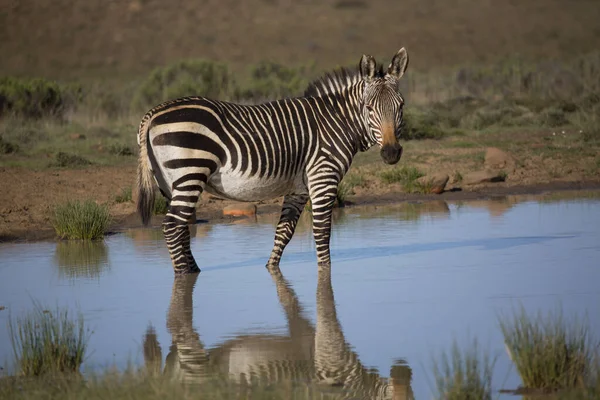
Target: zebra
point(316, 355)
point(299, 148)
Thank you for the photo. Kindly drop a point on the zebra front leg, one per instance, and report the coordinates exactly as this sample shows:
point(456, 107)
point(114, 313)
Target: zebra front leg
point(322, 198)
point(177, 232)
point(292, 207)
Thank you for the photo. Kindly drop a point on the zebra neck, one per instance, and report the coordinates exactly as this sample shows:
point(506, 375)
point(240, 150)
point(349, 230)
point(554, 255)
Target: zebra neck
point(345, 107)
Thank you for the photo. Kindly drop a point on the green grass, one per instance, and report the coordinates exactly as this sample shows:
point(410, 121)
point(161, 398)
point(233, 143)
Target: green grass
point(464, 374)
point(407, 176)
point(343, 191)
point(124, 196)
point(161, 204)
point(81, 220)
point(48, 342)
point(354, 179)
point(548, 352)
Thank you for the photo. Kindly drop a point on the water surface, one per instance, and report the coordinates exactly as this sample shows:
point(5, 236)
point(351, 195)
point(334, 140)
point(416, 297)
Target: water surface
point(406, 280)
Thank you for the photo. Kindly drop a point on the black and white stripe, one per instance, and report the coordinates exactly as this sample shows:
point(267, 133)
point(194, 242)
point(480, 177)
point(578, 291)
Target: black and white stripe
point(299, 148)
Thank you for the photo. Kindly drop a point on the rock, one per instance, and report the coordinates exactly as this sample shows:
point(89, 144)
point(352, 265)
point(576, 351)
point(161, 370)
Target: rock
point(240, 209)
point(473, 178)
point(77, 136)
point(498, 159)
point(436, 183)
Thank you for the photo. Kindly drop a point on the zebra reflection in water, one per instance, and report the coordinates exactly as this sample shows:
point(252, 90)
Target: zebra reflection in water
point(309, 354)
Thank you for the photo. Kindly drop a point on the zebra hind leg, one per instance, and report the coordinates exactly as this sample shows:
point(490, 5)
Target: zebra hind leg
point(291, 209)
point(176, 230)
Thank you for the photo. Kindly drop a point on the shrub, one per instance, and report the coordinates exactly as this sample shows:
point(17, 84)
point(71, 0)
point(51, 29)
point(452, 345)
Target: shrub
point(7, 147)
point(81, 220)
point(464, 374)
point(270, 81)
point(32, 98)
point(548, 353)
point(418, 125)
point(63, 159)
point(553, 117)
point(46, 342)
point(185, 78)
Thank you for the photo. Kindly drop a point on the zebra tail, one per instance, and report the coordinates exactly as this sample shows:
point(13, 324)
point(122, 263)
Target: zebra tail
point(146, 194)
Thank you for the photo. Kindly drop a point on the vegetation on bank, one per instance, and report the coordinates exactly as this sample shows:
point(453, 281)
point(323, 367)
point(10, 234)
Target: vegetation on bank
point(40, 117)
point(85, 220)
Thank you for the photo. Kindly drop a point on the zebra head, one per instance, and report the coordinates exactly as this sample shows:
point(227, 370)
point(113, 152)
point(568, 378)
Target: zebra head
point(382, 103)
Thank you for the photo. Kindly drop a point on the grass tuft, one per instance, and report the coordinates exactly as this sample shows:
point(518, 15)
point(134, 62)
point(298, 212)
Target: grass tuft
point(548, 353)
point(343, 191)
point(464, 374)
point(48, 342)
point(124, 196)
point(81, 220)
point(407, 176)
point(161, 205)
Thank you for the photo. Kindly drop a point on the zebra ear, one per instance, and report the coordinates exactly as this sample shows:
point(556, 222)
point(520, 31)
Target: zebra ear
point(367, 66)
point(399, 64)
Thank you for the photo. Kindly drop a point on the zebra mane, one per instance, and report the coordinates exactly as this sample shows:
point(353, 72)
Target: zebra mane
point(336, 81)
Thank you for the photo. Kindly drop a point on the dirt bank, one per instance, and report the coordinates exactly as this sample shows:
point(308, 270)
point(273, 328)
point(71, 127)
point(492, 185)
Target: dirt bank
point(28, 197)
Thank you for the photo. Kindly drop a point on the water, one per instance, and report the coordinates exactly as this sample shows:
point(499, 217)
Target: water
point(407, 280)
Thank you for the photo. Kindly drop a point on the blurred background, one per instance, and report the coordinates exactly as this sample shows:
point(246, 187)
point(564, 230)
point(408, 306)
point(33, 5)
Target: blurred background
point(99, 65)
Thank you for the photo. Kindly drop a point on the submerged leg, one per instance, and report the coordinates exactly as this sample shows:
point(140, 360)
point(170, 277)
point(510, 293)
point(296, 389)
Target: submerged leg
point(176, 229)
point(292, 207)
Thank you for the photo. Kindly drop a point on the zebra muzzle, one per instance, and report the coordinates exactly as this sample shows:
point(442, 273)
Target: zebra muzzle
point(391, 153)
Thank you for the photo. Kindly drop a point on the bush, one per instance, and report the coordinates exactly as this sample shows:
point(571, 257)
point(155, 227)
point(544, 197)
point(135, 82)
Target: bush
point(46, 342)
point(32, 98)
point(553, 117)
point(63, 159)
point(549, 353)
point(464, 375)
point(417, 125)
point(81, 220)
point(270, 81)
point(185, 78)
point(7, 147)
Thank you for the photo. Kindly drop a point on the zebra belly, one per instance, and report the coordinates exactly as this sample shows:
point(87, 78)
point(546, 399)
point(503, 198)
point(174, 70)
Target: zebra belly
point(235, 186)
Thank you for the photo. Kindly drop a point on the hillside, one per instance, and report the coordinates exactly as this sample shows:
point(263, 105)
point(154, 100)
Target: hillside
point(119, 39)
